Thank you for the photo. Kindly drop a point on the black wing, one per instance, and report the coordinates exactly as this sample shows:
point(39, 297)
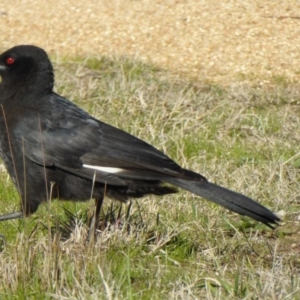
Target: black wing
point(70, 139)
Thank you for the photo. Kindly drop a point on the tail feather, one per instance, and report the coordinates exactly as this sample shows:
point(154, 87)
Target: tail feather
point(229, 199)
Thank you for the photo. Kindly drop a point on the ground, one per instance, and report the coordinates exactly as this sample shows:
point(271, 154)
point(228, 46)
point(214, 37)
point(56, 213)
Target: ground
point(215, 85)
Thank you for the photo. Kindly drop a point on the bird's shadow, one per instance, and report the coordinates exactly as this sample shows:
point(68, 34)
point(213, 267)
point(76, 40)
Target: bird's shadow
point(113, 218)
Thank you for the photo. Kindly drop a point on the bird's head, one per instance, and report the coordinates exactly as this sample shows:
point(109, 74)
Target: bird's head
point(24, 68)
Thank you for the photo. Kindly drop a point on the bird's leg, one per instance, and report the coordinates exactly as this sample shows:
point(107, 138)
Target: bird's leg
point(95, 219)
point(11, 216)
point(98, 204)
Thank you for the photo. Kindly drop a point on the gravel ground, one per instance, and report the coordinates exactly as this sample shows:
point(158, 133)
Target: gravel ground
point(212, 40)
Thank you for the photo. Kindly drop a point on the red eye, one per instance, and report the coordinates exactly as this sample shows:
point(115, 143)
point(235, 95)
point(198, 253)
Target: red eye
point(10, 60)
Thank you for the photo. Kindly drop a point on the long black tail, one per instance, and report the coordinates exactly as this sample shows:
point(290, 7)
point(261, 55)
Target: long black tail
point(228, 199)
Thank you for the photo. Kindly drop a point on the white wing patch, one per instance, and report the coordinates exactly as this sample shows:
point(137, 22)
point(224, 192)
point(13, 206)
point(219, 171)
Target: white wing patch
point(104, 169)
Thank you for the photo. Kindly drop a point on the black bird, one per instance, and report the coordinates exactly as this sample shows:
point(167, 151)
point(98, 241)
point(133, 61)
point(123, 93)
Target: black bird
point(52, 148)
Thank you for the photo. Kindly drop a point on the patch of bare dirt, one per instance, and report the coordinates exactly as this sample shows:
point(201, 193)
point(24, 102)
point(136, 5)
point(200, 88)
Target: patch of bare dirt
point(220, 41)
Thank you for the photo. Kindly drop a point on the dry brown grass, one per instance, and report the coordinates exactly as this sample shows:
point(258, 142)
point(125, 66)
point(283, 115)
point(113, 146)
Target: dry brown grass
point(178, 246)
point(220, 41)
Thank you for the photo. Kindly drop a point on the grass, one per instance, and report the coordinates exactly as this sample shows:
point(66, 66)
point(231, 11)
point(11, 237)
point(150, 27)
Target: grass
point(179, 246)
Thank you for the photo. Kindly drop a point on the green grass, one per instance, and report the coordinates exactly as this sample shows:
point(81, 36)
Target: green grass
point(179, 246)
